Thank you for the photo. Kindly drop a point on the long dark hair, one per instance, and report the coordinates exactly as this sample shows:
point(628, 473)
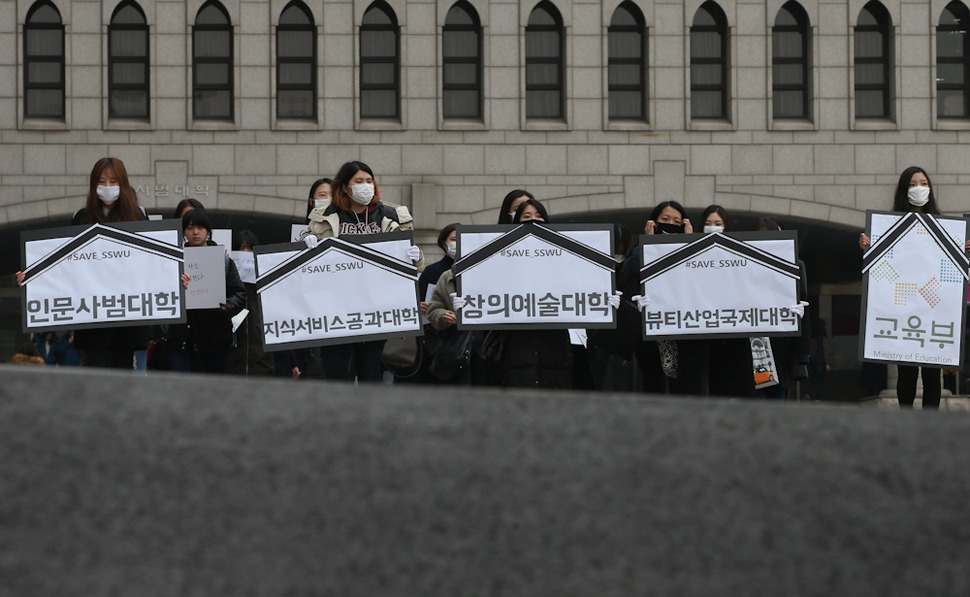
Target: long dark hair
point(503, 216)
point(767, 224)
point(711, 209)
point(443, 236)
point(662, 206)
point(901, 198)
point(125, 209)
point(342, 179)
point(187, 202)
point(534, 203)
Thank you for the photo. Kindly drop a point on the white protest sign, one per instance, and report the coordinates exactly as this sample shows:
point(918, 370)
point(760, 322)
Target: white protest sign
point(535, 276)
point(246, 265)
point(726, 285)
point(914, 289)
point(102, 276)
point(339, 292)
point(206, 267)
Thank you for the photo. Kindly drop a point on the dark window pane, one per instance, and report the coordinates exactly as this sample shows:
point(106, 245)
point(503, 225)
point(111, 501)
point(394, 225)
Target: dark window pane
point(294, 103)
point(625, 74)
point(45, 42)
point(542, 44)
point(378, 44)
point(706, 104)
point(869, 74)
point(377, 74)
point(952, 17)
point(625, 44)
point(43, 72)
point(788, 74)
point(44, 102)
point(128, 103)
point(785, 18)
point(786, 44)
point(294, 15)
point(542, 74)
point(868, 44)
point(127, 73)
point(543, 104)
point(869, 104)
point(378, 103)
point(461, 74)
point(705, 74)
point(128, 43)
point(300, 73)
point(460, 44)
point(705, 44)
point(212, 74)
point(459, 103)
point(626, 105)
point(45, 14)
point(951, 104)
point(950, 44)
point(294, 44)
point(213, 44)
point(703, 18)
point(623, 18)
point(128, 15)
point(458, 15)
point(952, 74)
point(377, 16)
point(211, 15)
point(540, 16)
point(788, 104)
point(213, 103)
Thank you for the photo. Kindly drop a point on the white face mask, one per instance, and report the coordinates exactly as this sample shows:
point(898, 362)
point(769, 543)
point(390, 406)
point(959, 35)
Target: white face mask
point(317, 203)
point(451, 249)
point(918, 196)
point(710, 229)
point(108, 195)
point(362, 193)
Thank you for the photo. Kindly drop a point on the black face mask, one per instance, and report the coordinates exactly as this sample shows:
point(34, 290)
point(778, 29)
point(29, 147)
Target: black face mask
point(665, 228)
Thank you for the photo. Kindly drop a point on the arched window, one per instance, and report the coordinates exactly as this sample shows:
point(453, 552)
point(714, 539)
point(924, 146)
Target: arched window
point(709, 63)
point(627, 42)
point(544, 63)
point(43, 62)
point(790, 64)
point(380, 65)
point(953, 62)
point(873, 58)
point(296, 63)
point(128, 82)
point(461, 56)
point(212, 59)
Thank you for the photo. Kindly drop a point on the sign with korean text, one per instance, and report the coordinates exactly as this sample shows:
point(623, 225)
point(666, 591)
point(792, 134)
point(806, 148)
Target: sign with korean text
point(719, 285)
point(206, 267)
point(914, 289)
point(80, 277)
point(349, 289)
point(536, 276)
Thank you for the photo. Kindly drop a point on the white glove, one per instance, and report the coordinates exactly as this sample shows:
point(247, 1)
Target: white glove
point(414, 253)
point(614, 299)
point(310, 240)
point(457, 301)
point(642, 301)
point(799, 309)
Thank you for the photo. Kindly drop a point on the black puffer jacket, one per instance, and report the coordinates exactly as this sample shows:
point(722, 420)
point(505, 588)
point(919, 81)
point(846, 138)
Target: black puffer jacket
point(537, 359)
point(210, 330)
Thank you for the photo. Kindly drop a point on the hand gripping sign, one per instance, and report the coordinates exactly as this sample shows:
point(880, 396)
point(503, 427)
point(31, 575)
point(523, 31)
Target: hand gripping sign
point(80, 277)
point(536, 276)
point(724, 285)
point(348, 289)
point(914, 289)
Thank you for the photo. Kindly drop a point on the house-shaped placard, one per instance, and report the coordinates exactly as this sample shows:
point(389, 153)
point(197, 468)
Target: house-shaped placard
point(720, 285)
point(102, 276)
point(341, 291)
point(914, 289)
point(535, 276)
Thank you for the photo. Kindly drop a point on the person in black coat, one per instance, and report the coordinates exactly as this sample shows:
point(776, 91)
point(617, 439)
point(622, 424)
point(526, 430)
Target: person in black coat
point(202, 343)
point(536, 358)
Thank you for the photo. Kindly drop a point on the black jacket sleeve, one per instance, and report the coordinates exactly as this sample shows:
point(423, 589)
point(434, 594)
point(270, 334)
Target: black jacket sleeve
point(235, 290)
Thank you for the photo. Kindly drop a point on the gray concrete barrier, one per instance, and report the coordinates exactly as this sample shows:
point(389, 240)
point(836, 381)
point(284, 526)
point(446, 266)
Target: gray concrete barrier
point(124, 484)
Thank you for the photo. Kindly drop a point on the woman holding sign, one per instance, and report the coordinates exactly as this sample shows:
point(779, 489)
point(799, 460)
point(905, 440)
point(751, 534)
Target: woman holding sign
point(914, 193)
point(356, 208)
